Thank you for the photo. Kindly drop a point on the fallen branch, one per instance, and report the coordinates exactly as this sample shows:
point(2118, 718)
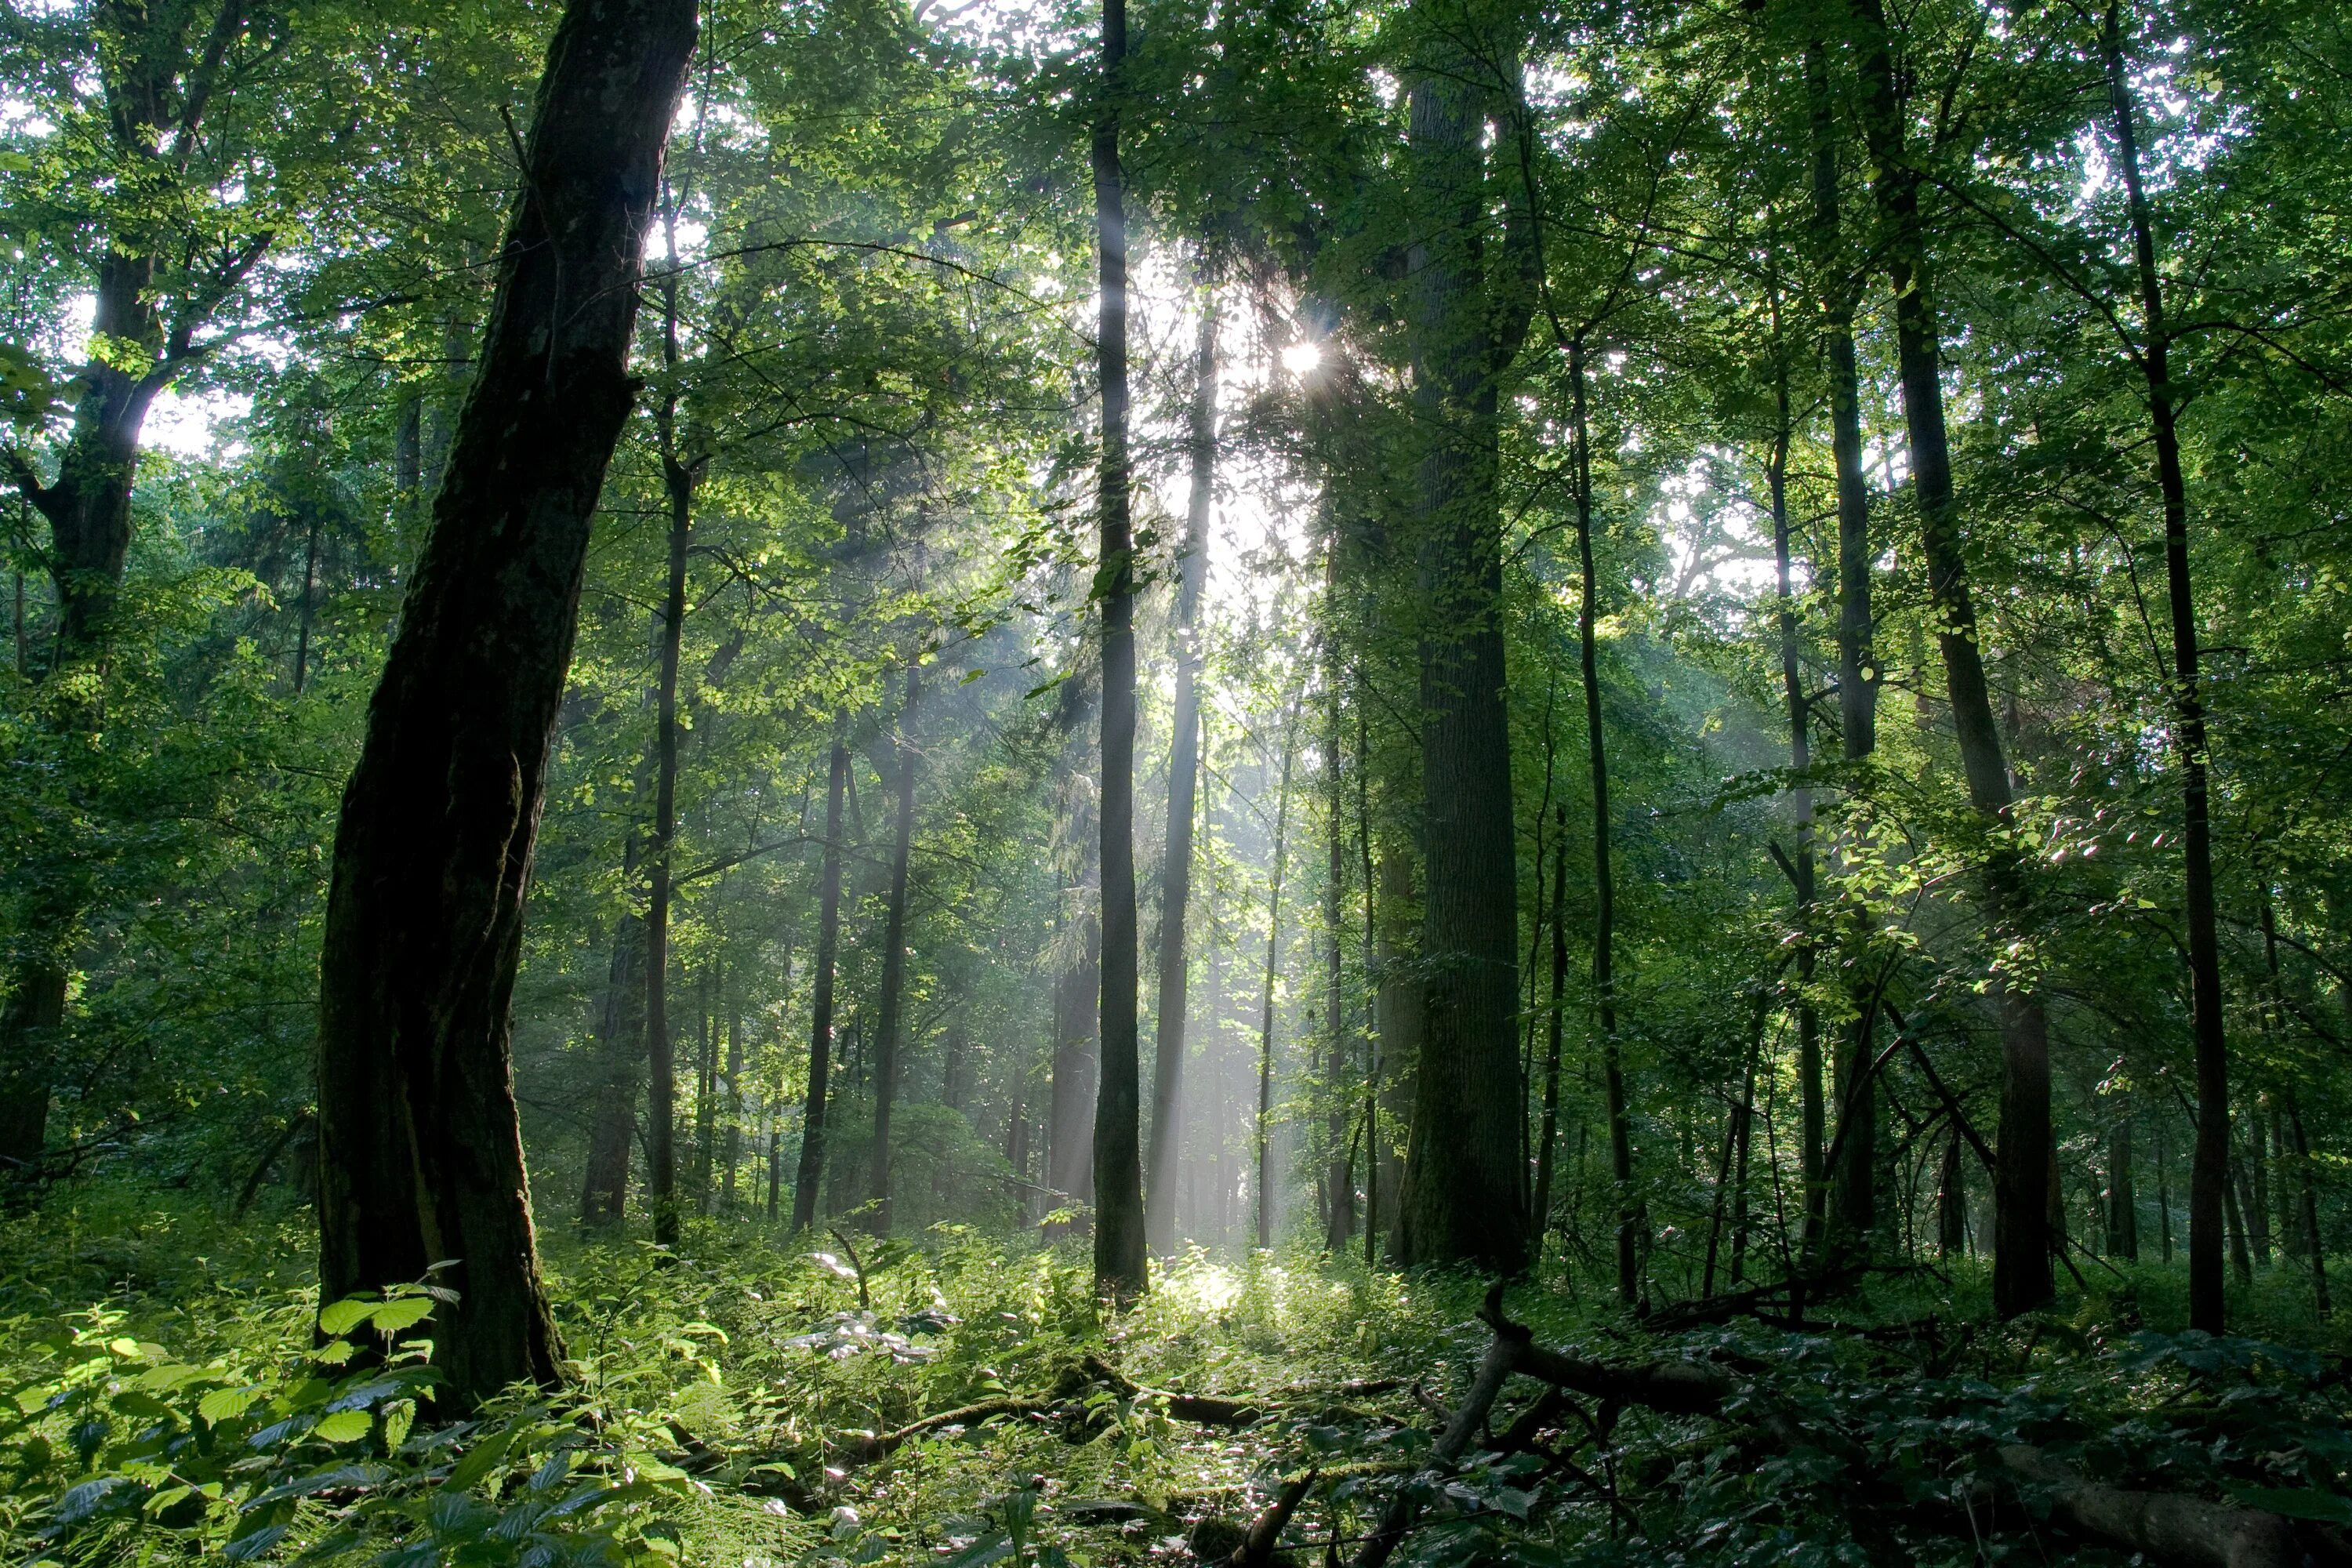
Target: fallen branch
point(865, 1448)
point(1205, 1409)
point(1257, 1549)
point(1470, 1416)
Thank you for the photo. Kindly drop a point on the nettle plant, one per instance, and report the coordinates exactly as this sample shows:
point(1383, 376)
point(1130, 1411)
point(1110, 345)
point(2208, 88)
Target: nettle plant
point(313, 1454)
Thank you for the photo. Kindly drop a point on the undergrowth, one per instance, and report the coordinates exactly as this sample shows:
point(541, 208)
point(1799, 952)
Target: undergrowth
point(170, 1390)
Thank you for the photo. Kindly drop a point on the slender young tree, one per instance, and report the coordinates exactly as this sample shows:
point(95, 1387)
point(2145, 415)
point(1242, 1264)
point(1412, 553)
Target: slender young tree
point(1264, 1127)
point(1604, 879)
point(1183, 789)
point(620, 1046)
point(811, 1175)
point(2209, 1170)
point(681, 476)
point(420, 1151)
point(1540, 1212)
point(1120, 1241)
point(2021, 1234)
point(893, 957)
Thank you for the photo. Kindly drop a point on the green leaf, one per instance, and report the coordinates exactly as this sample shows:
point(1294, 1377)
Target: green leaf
point(395, 1316)
point(344, 1424)
point(480, 1460)
point(346, 1315)
point(226, 1403)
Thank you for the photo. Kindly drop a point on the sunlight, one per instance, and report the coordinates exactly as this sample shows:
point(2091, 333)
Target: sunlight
point(1301, 358)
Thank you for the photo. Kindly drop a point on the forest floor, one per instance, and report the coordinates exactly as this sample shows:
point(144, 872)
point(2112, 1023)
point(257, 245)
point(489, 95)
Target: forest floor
point(961, 1399)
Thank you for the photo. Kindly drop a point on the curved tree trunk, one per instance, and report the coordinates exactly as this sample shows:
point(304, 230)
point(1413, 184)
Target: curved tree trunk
point(810, 1174)
point(420, 1150)
point(1184, 791)
point(894, 959)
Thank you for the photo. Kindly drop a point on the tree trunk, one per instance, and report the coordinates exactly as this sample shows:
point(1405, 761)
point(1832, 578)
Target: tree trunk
point(1183, 789)
point(620, 1044)
point(1072, 1100)
point(679, 482)
point(2123, 1201)
point(1604, 885)
point(894, 959)
point(1555, 1021)
point(1340, 1174)
point(1465, 1199)
point(731, 1098)
point(2209, 1171)
point(2315, 1251)
point(1373, 1021)
point(811, 1175)
point(310, 586)
point(1265, 1122)
point(420, 1149)
point(2021, 1240)
point(1119, 1243)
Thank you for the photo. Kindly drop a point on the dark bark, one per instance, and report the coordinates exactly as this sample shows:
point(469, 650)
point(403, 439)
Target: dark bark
point(2022, 1243)
point(679, 480)
point(310, 586)
point(1373, 1021)
point(1120, 1242)
point(2315, 1251)
point(811, 1175)
point(1265, 1122)
point(620, 1050)
point(894, 959)
point(2210, 1168)
point(1466, 1199)
point(1952, 1202)
point(1184, 790)
point(1073, 1093)
point(1555, 1024)
point(1400, 1005)
point(420, 1150)
point(2123, 1200)
point(1339, 1165)
point(1604, 884)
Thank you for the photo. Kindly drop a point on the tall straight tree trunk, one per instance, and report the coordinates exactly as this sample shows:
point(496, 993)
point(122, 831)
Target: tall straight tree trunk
point(1183, 789)
point(1466, 1197)
point(2209, 1171)
point(1339, 1172)
point(1857, 672)
point(620, 1049)
point(310, 586)
point(2315, 1251)
point(1539, 1216)
point(732, 1099)
point(1952, 1202)
point(2022, 1236)
point(1812, 1134)
point(420, 1151)
point(894, 958)
point(1373, 1021)
point(679, 480)
point(1265, 1122)
point(811, 1175)
point(1120, 1241)
point(1073, 1097)
point(1604, 883)
point(2123, 1202)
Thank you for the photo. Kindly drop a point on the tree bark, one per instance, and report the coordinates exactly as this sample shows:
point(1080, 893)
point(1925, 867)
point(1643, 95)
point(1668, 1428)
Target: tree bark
point(620, 1046)
point(2021, 1240)
point(1604, 884)
point(1184, 790)
point(894, 959)
point(420, 1150)
point(1555, 1021)
point(1265, 1122)
point(1120, 1241)
point(1339, 1165)
point(811, 1174)
point(1465, 1197)
point(2123, 1202)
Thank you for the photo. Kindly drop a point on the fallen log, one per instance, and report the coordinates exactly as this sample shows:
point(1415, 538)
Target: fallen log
point(1256, 1550)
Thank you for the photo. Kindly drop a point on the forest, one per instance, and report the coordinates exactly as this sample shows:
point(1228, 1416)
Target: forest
point(1071, 782)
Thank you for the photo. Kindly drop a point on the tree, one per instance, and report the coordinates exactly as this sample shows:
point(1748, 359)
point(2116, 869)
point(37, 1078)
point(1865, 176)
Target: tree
point(1121, 1246)
point(420, 1153)
point(894, 953)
